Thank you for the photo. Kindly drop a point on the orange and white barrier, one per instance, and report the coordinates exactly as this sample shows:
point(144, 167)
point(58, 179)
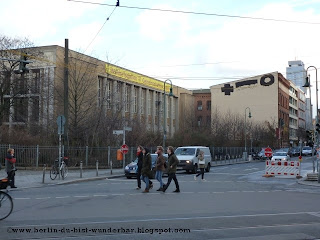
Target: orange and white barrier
point(283, 168)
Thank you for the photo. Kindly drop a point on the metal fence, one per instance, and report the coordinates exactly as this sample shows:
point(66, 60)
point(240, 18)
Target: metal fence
point(37, 156)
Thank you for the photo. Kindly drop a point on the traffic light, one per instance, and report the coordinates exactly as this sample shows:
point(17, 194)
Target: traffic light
point(309, 134)
point(307, 84)
point(318, 127)
point(22, 65)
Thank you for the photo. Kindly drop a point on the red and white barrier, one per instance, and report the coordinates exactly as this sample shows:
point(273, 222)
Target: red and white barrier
point(283, 168)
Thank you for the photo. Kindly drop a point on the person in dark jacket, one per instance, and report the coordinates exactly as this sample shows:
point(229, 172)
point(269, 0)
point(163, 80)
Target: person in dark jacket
point(160, 168)
point(172, 169)
point(146, 169)
point(10, 167)
point(139, 165)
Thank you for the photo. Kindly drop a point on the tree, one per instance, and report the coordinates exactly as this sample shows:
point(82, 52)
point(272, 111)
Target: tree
point(15, 87)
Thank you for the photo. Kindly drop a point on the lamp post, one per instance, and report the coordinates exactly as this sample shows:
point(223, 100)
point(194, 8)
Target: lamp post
point(245, 127)
point(164, 110)
point(307, 84)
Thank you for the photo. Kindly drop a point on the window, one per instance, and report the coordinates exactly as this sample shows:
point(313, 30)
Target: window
point(118, 95)
point(199, 121)
point(208, 105)
point(20, 110)
point(35, 109)
point(109, 91)
point(135, 100)
point(199, 105)
point(208, 120)
point(149, 102)
point(158, 102)
point(35, 81)
point(143, 99)
point(127, 99)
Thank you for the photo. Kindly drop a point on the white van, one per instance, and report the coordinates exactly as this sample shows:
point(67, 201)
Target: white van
point(188, 158)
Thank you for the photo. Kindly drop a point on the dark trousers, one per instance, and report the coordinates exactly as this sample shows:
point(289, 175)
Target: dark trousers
point(139, 179)
point(174, 177)
point(11, 178)
point(201, 172)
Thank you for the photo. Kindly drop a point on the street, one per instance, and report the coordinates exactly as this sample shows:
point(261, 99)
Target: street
point(235, 202)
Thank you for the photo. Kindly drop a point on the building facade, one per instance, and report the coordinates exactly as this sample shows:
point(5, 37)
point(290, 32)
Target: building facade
point(202, 100)
point(296, 73)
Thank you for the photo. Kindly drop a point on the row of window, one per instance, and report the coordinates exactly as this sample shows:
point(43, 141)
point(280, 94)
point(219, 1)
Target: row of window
point(199, 105)
point(126, 95)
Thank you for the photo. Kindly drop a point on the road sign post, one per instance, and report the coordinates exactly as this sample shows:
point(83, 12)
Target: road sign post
point(61, 120)
point(124, 149)
point(119, 132)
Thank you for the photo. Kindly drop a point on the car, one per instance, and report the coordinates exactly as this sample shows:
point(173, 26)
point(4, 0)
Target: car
point(188, 158)
point(262, 155)
point(306, 150)
point(130, 170)
point(295, 151)
point(280, 156)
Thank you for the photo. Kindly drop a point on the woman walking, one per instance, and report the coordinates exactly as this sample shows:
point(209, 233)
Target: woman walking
point(160, 168)
point(201, 164)
point(172, 169)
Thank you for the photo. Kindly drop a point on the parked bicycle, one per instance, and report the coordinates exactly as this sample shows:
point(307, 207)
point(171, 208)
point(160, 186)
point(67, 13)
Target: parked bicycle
point(6, 203)
point(56, 169)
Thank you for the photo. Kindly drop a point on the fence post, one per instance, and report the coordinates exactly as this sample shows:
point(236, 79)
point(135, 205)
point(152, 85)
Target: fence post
point(97, 167)
point(37, 157)
point(109, 162)
point(44, 173)
point(80, 169)
point(87, 155)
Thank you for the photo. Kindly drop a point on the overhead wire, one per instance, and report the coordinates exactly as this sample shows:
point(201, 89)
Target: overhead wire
point(117, 5)
point(200, 13)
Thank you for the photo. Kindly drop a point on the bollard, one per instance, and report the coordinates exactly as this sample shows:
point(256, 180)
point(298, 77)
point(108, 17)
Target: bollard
point(44, 173)
point(80, 169)
point(111, 167)
point(97, 167)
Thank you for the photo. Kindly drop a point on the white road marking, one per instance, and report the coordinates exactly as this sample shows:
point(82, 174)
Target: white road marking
point(100, 195)
point(117, 194)
point(217, 192)
point(43, 198)
point(233, 191)
point(63, 197)
point(248, 191)
point(80, 196)
point(22, 198)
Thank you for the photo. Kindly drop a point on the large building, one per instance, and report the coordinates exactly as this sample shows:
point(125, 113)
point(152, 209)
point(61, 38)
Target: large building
point(296, 73)
point(270, 98)
point(107, 88)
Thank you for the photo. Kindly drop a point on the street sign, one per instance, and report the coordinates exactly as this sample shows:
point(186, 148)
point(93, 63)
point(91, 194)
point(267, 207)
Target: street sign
point(268, 152)
point(117, 132)
point(61, 120)
point(124, 149)
point(128, 129)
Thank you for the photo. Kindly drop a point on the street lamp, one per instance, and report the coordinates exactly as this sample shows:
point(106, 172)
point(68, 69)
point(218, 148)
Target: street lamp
point(307, 84)
point(245, 127)
point(164, 110)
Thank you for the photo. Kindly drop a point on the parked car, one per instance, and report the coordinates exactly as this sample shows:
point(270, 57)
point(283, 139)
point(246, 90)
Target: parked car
point(280, 156)
point(131, 169)
point(295, 151)
point(306, 150)
point(188, 158)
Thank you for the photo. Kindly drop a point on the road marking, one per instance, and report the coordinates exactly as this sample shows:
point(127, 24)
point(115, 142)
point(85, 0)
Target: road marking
point(233, 191)
point(63, 197)
point(43, 198)
point(263, 191)
point(248, 191)
point(98, 195)
point(117, 194)
point(22, 198)
point(217, 192)
point(80, 196)
point(204, 192)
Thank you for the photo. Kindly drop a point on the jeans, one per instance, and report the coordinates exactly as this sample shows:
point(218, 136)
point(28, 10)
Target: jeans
point(159, 177)
point(201, 173)
point(139, 178)
point(146, 180)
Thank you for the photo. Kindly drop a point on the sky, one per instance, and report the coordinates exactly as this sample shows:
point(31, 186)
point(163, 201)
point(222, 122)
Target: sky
point(193, 50)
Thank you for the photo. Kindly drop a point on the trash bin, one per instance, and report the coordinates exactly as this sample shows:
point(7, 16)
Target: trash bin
point(250, 158)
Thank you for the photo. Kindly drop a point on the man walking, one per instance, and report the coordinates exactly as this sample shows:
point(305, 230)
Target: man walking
point(172, 168)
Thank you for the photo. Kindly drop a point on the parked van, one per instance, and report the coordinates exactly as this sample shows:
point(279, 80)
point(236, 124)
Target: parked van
point(188, 158)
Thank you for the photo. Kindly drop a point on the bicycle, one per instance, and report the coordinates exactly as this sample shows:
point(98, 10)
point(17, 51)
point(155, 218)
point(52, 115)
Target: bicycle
point(6, 203)
point(55, 170)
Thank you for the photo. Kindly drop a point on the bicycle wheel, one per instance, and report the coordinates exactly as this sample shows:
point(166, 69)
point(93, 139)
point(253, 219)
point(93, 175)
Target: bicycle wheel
point(64, 171)
point(6, 205)
point(53, 172)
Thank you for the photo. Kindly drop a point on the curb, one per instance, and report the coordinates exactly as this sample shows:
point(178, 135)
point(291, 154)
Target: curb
point(303, 181)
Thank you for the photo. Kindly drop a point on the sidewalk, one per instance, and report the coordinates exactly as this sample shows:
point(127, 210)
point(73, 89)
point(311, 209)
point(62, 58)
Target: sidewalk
point(33, 178)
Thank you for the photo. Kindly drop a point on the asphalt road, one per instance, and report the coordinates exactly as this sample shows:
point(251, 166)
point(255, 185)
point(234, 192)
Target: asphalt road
point(235, 202)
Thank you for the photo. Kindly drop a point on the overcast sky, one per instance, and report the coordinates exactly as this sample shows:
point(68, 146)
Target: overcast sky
point(193, 50)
